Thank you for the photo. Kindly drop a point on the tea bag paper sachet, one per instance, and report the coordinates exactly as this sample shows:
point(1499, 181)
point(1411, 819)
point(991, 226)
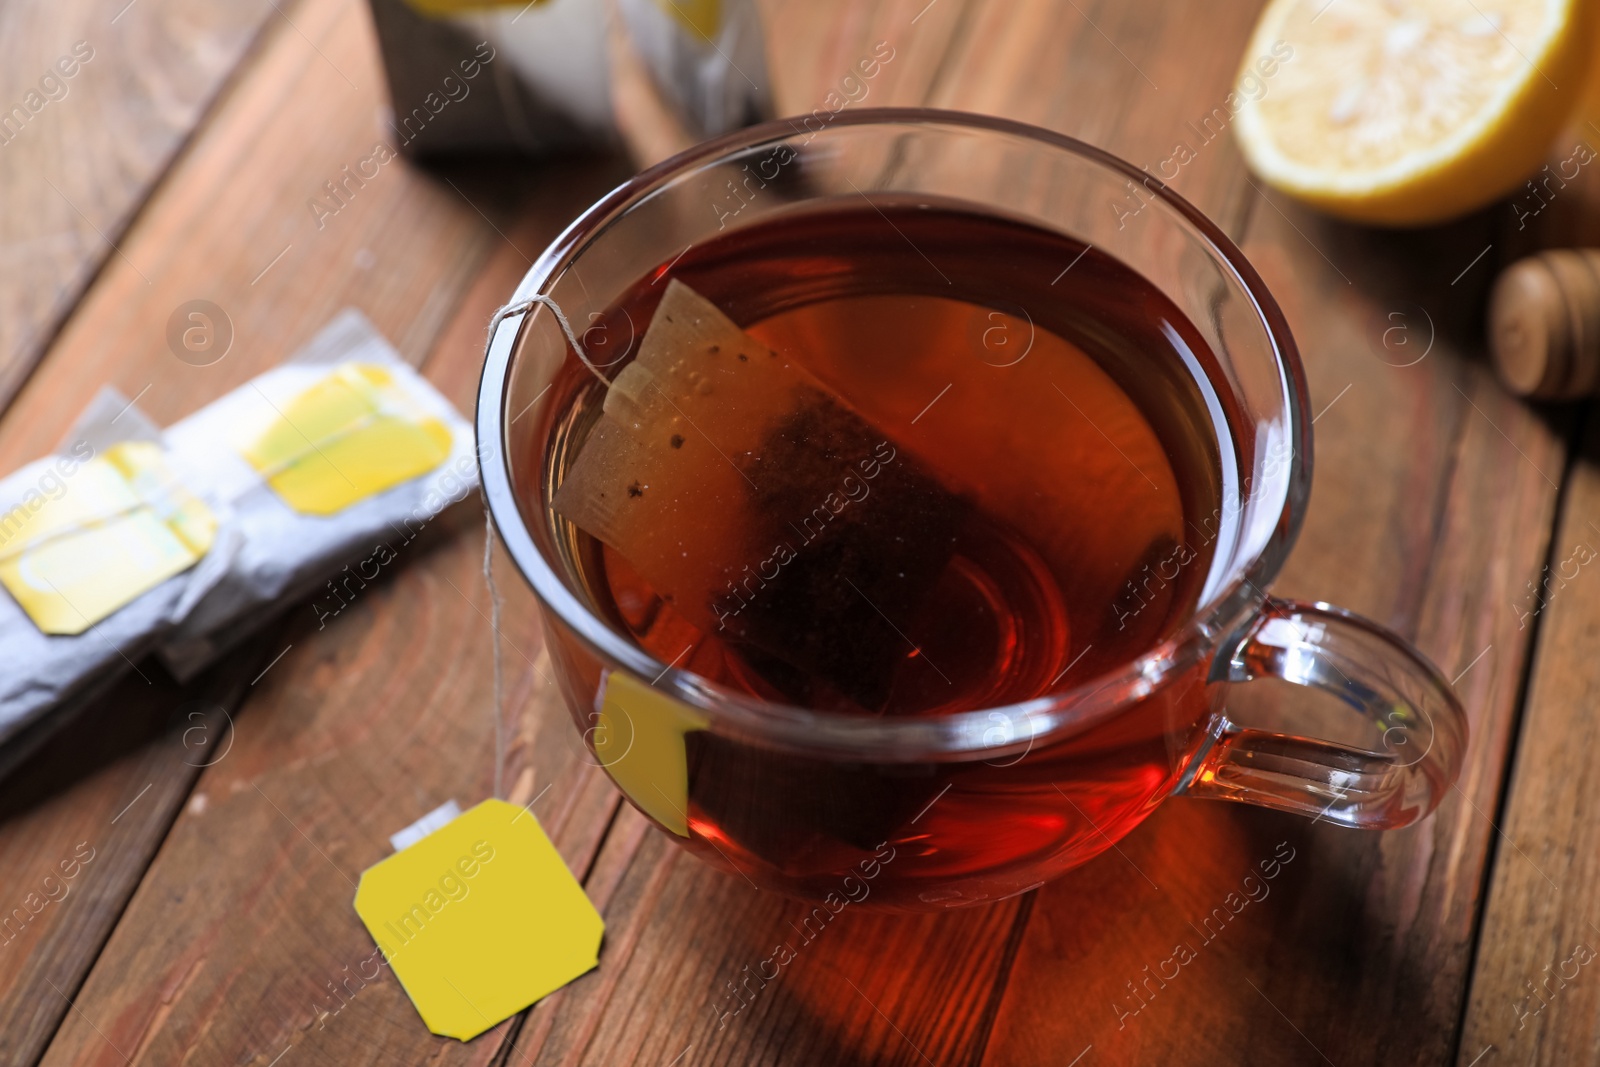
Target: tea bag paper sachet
point(333, 463)
point(102, 547)
point(759, 504)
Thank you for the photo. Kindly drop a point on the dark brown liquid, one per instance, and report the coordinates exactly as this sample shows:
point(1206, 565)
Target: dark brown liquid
point(1052, 399)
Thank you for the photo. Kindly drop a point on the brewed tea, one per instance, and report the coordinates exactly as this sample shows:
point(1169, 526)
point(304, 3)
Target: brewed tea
point(1043, 503)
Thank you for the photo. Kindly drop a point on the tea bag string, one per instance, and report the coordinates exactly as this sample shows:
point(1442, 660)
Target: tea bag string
point(496, 604)
point(521, 306)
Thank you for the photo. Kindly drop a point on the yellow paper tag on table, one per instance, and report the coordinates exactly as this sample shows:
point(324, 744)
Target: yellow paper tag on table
point(352, 435)
point(638, 738)
point(479, 919)
point(121, 529)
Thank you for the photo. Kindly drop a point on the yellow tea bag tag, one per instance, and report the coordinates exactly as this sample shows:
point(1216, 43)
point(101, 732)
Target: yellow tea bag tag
point(479, 919)
point(352, 435)
point(638, 738)
point(124, 527)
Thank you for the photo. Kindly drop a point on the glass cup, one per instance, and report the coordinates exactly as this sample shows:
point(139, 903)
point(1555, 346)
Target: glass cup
point(985, 803)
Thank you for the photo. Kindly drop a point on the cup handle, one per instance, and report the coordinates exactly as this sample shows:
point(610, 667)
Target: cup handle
point(1417, 722)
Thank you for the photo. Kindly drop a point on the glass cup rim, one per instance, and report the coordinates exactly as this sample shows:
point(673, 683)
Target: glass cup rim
point(962, 735)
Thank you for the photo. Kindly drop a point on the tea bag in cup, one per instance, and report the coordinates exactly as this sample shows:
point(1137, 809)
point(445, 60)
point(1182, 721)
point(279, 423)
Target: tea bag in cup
point(762, 506)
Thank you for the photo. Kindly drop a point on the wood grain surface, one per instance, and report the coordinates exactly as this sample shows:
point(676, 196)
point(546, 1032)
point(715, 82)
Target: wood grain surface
point(234, 203)
point(129, 79)
point(96, 800)
point(1534, 998)
point(1424, 517)
point(214, 922)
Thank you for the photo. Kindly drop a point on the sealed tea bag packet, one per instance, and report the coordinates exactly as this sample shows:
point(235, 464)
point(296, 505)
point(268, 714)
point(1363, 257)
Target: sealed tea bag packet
point(102, 547)
point(331, 464)
point(131, 539)
point(761, 506)
point(550, 76)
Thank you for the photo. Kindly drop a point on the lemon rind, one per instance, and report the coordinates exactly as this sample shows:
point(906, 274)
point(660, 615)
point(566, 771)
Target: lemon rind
point(1414, 170)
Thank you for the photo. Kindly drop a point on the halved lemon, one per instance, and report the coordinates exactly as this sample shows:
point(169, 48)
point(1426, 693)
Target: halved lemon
point(1408, 113)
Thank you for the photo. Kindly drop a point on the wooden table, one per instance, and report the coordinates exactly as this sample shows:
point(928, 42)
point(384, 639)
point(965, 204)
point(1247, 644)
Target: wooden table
point(213, 923)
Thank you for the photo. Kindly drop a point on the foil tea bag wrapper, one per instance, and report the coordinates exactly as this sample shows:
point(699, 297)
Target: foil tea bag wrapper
point(132, 540)
point(706, 58)
point(761, 506)
point(553, 76)
point(330, 465)
point(102, 549)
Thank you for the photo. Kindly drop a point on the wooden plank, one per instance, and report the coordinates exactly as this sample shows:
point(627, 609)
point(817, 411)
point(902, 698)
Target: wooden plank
point(361, 728)
point(813, 48)
point(1433, 520)
point(1119, 76)
point(235, 201)
point(1532, 1000)
point(1430, 509)
point(81, 155)
point(687, 948)
point(95, 802)
point(233, 224)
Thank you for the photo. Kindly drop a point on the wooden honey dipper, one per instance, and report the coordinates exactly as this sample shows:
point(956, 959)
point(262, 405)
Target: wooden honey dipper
point(1544, 324)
